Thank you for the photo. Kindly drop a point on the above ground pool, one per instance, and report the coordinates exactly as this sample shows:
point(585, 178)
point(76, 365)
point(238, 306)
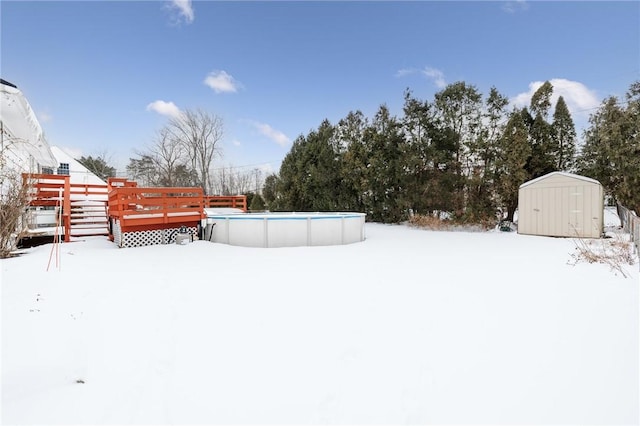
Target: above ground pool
point(284, 229)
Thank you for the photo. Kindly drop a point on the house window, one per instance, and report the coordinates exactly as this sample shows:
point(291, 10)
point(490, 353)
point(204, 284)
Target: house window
point(47, 171)
point(63, 169)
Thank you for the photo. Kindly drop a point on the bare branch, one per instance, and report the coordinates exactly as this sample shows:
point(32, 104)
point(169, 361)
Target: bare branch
point(199, 133)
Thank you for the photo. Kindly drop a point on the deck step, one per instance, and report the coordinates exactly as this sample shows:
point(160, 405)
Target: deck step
point(89, 234)
point(88, 218)
point(89, 225)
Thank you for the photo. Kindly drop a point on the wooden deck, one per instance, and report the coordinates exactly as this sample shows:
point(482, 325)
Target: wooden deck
point(88, 209)
point(138, 208)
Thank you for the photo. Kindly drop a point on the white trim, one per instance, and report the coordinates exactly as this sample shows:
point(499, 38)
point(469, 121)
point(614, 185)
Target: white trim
point(565, 174)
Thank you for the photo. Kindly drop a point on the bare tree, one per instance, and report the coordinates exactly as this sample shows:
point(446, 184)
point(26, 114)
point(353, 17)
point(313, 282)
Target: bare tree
point(14, 200)
point(199, 133)
point(164, 163)
point(233, 181)
point(257, 175)
point(242, 182)
point(168, 155)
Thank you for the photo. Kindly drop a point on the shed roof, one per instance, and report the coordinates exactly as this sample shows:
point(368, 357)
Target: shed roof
point(569, 175)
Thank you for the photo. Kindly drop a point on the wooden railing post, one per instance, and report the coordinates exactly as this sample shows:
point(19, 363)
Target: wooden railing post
point(66, 209)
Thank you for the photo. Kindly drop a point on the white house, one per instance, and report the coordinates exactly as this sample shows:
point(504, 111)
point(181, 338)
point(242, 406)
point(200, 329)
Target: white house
point(24, 149)
point(78, 174)
point(22, 143)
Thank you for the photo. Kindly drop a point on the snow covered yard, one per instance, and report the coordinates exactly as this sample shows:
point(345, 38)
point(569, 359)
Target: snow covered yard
point(410, 326)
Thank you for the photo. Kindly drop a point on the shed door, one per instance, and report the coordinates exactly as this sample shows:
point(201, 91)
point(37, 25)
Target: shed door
point(576, 212)
point(589, 211)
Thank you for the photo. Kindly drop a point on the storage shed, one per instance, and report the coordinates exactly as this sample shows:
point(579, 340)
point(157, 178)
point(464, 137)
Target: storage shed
point(561, 204)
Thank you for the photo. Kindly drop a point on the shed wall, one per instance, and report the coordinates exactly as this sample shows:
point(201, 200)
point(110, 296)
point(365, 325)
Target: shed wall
point(561, 206)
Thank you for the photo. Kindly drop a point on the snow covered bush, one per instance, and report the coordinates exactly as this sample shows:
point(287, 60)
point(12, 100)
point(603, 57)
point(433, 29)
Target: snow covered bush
point(615, 250)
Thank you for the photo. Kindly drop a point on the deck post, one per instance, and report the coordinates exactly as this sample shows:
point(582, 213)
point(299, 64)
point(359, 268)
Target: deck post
point(66, 209)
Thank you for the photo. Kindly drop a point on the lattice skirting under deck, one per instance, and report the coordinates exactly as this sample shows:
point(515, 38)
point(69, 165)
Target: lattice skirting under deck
point(147, 238)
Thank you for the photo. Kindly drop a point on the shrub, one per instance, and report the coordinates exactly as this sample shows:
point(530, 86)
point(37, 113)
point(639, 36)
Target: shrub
point(615, 251)
point(14, 200)
point(445, 223)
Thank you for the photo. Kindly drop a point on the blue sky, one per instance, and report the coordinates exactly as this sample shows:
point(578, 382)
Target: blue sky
point(103, 77)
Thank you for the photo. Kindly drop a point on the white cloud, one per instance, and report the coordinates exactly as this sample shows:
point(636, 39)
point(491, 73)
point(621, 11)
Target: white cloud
point(182, 11)
point(433, 74)
point(271, 133)
point(236, 142)
point(168, 109)
point(406, 71)
point(580, 100)
point(436, 76)
point(221, 82)
point(515, 6)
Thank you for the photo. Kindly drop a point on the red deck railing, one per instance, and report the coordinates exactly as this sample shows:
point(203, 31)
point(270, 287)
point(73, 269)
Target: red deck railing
point(140, 208)
point(234, 201)
point(136, 208)
point(114, 182)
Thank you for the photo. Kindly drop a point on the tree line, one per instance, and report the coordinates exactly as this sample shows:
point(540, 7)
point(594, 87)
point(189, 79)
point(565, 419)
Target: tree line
point(461, 154)
point(611, 152)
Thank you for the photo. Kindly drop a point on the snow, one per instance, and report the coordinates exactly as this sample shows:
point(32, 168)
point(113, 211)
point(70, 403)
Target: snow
point(222, 210)
point(23, 130)
point(409, 326)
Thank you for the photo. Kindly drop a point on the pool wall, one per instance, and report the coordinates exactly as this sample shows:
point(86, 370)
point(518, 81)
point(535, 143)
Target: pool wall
point(285, 229)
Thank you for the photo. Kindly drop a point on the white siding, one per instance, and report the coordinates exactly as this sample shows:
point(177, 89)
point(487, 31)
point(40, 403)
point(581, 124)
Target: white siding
point(77, 172)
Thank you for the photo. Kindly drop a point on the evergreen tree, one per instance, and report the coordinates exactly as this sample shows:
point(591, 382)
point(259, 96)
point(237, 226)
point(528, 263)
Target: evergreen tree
point(257, 202)
point(143, 170)
point(419, 128)
point(181, 176)
point(602, 143)
point(321, 169)
point(270, 192)
point(459, 110)
point(495, 116)
point(289, 188)
point(482, 203)
point(310, 173)
point(541, 100)
point(611, 152)
point(354, 162)
point(542, 160)
point(564, 134)
point(431, 179)
point(514, 150)
point(98, 166)
point(629, 189)
point(385, 139)
point(454, 155)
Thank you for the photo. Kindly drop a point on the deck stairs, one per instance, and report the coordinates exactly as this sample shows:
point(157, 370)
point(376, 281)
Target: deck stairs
point(88, 218)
